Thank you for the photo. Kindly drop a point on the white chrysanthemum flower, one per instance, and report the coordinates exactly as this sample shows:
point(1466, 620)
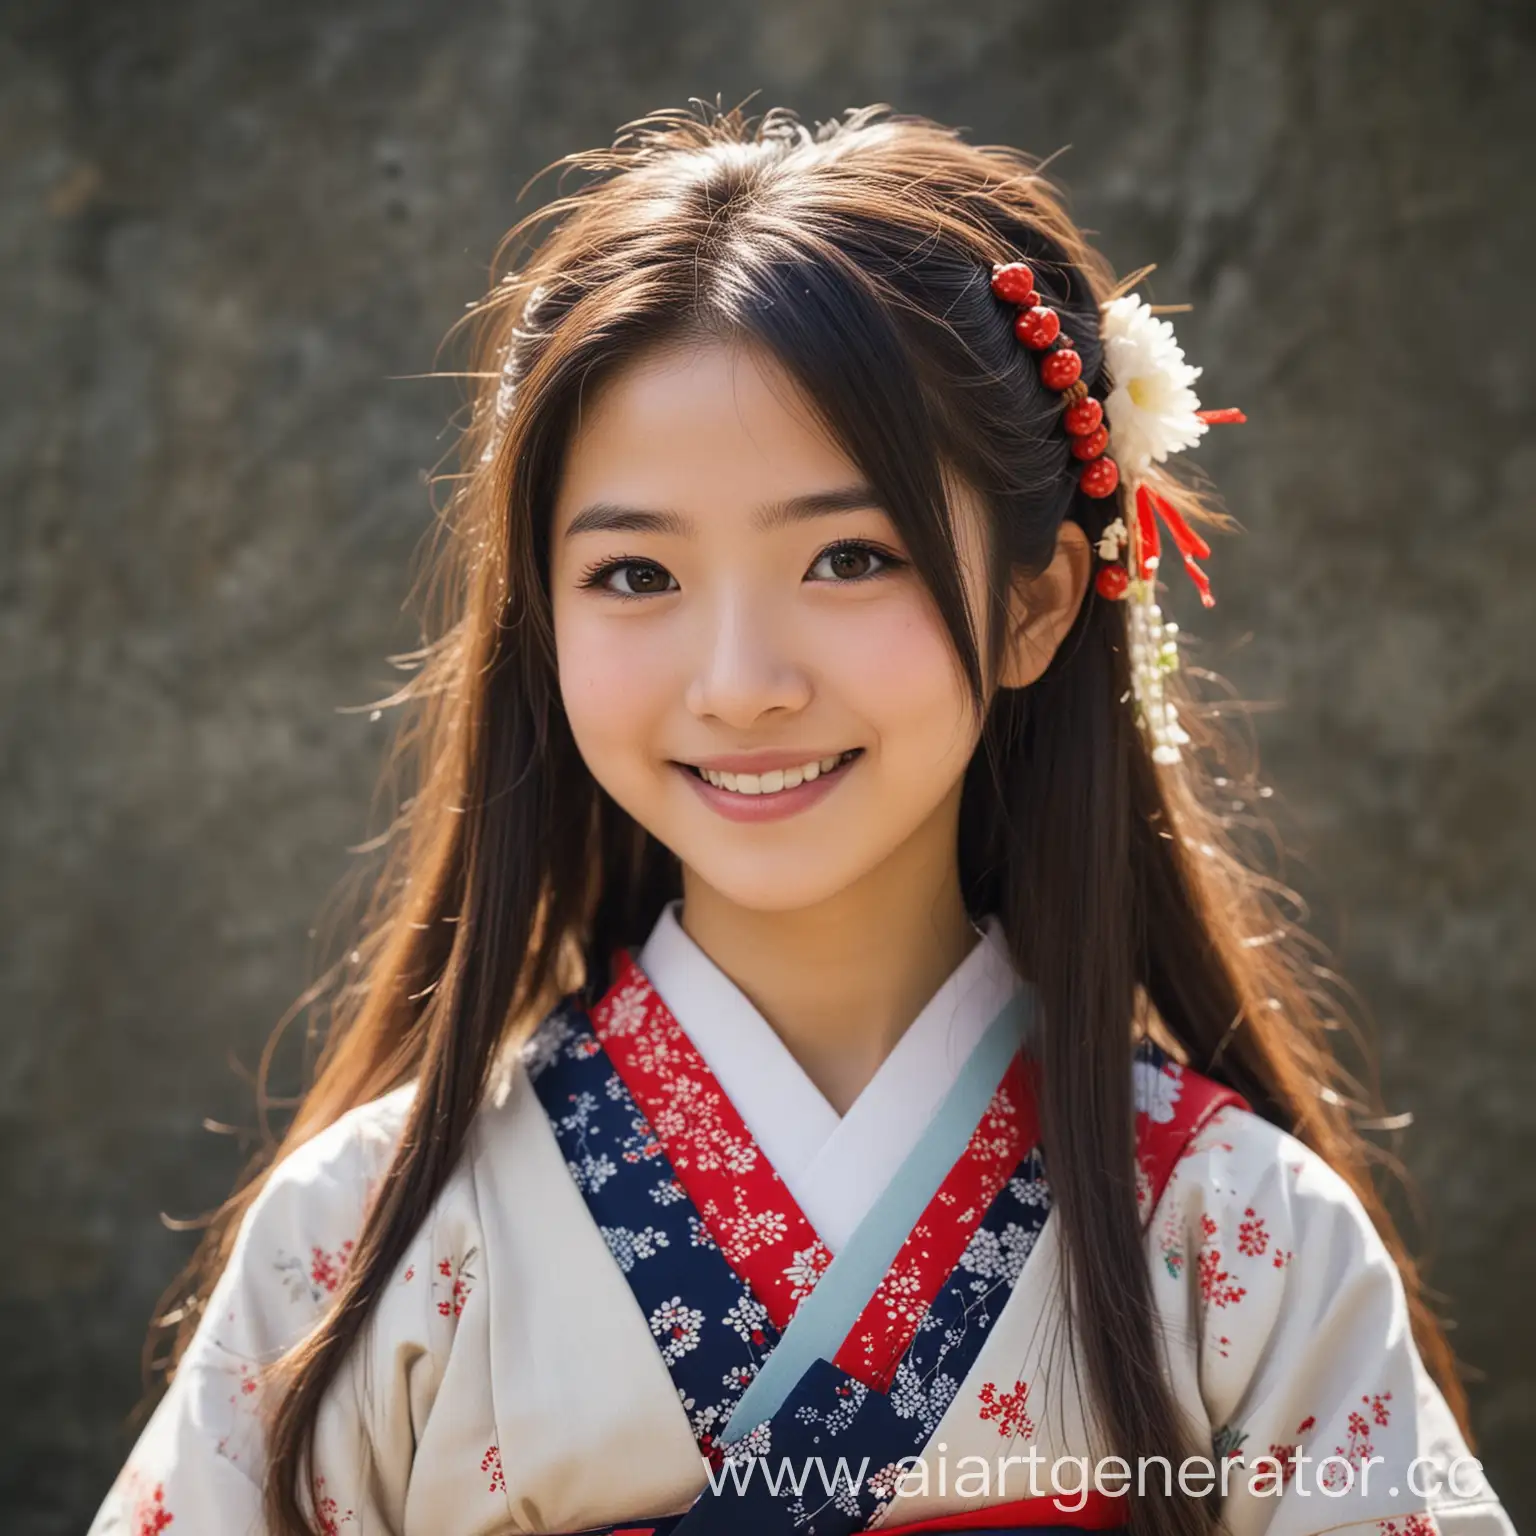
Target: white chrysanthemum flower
point(1152, 408)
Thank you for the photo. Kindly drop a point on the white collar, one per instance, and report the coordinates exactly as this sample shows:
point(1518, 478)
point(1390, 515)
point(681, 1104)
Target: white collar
point(835, 1167)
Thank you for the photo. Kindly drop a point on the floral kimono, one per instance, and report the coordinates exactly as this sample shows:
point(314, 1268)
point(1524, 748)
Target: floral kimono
point(670, 1289)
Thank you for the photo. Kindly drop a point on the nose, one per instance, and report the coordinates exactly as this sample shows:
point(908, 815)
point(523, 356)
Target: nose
point(746, 671)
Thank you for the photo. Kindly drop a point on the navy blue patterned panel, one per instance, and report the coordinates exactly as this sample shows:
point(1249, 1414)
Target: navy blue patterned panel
point(665, 1527)
point(711, 1331)
point(843, 1442)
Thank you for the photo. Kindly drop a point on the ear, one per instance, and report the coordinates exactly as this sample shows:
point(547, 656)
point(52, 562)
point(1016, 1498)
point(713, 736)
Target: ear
point(1041, 609)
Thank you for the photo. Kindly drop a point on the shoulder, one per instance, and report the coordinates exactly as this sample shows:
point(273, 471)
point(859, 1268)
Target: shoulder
point(1237, 1156)
point(354, 1148)
point(313, 1201)
point(1253, 1219)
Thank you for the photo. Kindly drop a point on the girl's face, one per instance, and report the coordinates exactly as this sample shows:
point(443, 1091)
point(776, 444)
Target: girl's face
point(750, 665)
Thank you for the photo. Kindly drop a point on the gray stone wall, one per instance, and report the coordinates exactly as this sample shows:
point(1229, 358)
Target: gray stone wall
point(231, 231)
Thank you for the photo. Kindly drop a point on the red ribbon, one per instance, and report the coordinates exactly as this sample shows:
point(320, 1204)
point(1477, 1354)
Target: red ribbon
point(1149, 507)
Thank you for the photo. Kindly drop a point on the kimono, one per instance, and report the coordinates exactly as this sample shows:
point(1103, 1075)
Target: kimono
point(669, 1289)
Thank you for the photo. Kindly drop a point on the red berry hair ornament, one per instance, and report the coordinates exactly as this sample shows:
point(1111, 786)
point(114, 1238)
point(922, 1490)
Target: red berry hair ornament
point(1152, 411)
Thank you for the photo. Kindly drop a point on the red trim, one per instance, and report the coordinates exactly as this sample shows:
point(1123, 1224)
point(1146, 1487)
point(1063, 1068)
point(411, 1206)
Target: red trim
point(762, 1232)
point(1100, 1512)
point(878, 1340)
point(1161, 1143)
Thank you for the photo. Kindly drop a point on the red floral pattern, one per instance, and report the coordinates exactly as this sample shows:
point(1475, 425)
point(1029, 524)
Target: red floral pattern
point(150, 1516)
point(1409, 1525)
point(452, 1284)
point(1360, 1427)
point(762, 1232)
point(891, 1317)
point(329, 1514)
point(1217, 1286)
point(490, 1464)
point(318, 1276)
point(1007, 1408)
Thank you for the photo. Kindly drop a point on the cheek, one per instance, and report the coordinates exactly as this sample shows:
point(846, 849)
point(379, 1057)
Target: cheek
point(612, 684)
point(896, 667)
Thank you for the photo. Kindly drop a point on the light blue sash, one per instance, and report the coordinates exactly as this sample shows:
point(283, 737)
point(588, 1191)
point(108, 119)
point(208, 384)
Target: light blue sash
point(824, 1318)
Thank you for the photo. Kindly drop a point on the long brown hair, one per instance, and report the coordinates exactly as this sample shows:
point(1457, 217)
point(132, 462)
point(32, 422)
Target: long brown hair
point(859, 255)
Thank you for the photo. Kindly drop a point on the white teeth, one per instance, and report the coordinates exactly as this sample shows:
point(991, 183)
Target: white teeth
point(775, 780)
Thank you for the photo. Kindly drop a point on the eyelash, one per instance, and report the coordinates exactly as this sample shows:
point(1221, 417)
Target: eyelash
point(596, 575)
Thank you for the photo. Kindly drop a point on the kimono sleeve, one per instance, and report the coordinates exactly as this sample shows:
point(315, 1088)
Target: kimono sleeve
point(199, 1462)
point(1323, 1415)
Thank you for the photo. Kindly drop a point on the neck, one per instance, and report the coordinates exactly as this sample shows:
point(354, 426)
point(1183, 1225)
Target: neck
point(841, 981)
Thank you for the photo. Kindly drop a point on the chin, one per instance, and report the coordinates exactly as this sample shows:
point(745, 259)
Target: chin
point(754, 888)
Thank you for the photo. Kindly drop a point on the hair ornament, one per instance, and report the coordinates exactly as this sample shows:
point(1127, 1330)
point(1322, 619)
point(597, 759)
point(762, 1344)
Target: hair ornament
point(1151, 411)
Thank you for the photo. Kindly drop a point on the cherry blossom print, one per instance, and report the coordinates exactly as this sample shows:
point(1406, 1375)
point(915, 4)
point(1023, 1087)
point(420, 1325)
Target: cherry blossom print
point(1217, 1287)
point(677, 1327)
point(543, 1049)
point(589, 1169)
point(490, 1464)
point(1006, 1410)
point(247, 1383)
point(884, 1484)
point(1158, 1086)
point(754, 1445)
point(668, 1192)
point(1252, 1238)
point(747, 1318)
point(745, 1231)
point(805, 1268)
point(925, 1399)
point(714, 1160)
point(998, 1255)
point(1281, 1460)
point(627, 1006)
point(148, 1514)
point(318, 1276)
point(453, 1282)
point(933, 1250)
point(1418, 1524)
point(1360, 1426)
point(329, 1515)
point(1030, 1191)
point(629, 1245)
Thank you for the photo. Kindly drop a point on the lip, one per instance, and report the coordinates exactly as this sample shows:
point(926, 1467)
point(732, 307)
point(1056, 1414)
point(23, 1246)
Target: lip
point(776, 807)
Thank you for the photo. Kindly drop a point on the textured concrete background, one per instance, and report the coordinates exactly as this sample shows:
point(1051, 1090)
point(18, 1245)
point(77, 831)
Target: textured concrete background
point(227, 228)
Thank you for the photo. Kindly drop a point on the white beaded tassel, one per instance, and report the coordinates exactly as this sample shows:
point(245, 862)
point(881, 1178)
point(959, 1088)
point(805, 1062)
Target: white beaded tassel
point(1154, 654)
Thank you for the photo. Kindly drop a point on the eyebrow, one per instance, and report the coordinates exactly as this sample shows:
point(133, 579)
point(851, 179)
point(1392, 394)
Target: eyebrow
point(611, 517)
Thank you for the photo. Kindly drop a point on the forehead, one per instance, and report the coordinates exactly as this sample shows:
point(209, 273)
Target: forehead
point(696, 425)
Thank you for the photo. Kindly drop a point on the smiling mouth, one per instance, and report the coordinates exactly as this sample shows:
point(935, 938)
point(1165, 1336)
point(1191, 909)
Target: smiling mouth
point(776, 780)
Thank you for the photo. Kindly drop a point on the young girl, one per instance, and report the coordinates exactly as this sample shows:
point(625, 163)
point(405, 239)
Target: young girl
point(817, 1063)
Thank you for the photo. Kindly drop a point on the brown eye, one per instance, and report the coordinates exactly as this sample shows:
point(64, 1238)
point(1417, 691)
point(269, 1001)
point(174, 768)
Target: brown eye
point(638, 578)
point(849, 562)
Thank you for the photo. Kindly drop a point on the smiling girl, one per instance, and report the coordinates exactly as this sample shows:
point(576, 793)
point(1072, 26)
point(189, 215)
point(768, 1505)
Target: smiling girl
point(816, 1062)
